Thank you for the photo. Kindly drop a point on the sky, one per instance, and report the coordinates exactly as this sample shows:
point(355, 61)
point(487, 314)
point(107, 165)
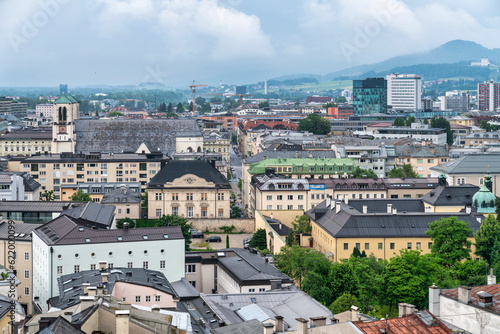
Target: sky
point(124, 42)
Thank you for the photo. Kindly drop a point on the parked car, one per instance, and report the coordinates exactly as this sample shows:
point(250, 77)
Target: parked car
point(196, 233)
point(213, 238)
point(246, 242)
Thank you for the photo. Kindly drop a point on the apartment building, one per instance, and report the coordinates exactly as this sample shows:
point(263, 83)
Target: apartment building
point(422, 158)
point(54, 170)
point(191, 189)
point(96, 190)
point(45, 109)
point(26, 142)
point(377, 158)
point(369, 96)
point(488, 95)
point(482, 139)
point(218, 143)
point(127, 203)
point(417, 131)
point(404, 92)
point(17, 186)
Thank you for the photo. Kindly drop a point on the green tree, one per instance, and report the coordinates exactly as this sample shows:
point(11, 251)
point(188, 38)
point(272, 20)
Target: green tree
point(341, 99)
point(162, 108)
point(359, 173)
point(48, 195)
point(497, 207)
point(470, 272)
point(80, 196)
point(290, 238)
point(370, 274)
point(409, 120)
point(235, 211)
point(399, 121)
point(356, 252)
point(343, 303)
point(264, 104)
point(174, 220)
point(130, 221)
point(115, 114)
point(449, 240)
point(170, 108)
point(240, 185)
point(227, 240)
point(316, 124)
point(342, 279)
point(144, 201)
point(486, 236)
point(180, 108)
point(259, 239)
point(228, 175)
point(442, 122)
point(302, 224)
point(405, 171)
point(495, 258)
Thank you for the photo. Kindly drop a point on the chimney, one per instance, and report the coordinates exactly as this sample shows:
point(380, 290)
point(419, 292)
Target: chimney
point(102, 265)
point(85, 288)
point(296, 154)
point(434, 306)
point(301, 326)
point(464, 294)
point(406, 309)
point(104, 277)
point(365, 209)
point(337, 207)
point(86, 302)
point(122, 318)
point(92, 290)
point(318, 321)
point(394, 211)
point(354, 313)
point(126, 225)
point(279, 323)
point(346, 199)
point(155, 309)
point(328, 201)
point(389, 208)
point(100, 289)
point(468, 209)
point(492, 279)
point(272, 215)
point(268, 328)
point(281, 225)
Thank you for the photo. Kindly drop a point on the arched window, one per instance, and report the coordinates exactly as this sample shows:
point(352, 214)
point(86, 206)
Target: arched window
point(64, 114)
point(60, 114)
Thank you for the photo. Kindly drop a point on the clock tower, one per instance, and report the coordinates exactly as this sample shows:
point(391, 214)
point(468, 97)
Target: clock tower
point(66, 111)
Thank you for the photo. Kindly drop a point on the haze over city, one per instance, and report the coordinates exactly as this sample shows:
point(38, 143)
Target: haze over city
point(121, 42)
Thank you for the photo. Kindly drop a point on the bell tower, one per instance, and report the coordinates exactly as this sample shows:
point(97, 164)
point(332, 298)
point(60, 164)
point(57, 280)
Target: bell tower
point(66, 111)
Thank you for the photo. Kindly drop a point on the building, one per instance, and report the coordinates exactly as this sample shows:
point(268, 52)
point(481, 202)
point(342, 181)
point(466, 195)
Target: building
point(340, 112)
point(8, 105)
point(67, 245)
point(376, 158)
point(191, 189)
point(482, 139)
point(218, 143)
point(16, 186)
point(249, 129)
point(24, 259)
point(417, 131)
point(422, 158)
point(459, 102)
point(484, 200)
point(318, 99)
point(404, 91)
point(127, 203)
point(369, 96)
point(45, 110)
point(26, 142)
point(96, 190)
point(488, 95)
point(63, 89)
point(483, 62)
point(11, 309)
point(378, 227)
point(240, 90)
point(66, 111)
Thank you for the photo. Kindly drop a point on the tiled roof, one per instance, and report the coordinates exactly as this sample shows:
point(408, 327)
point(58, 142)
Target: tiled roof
point(493, 290)
point(33, 206)
point(451, 195)
point(120, 196)
point(61, 326)
point(412, 324)
point(471, 164)
point(253, 326)
point(28, 134)
point(289, 154)
point(22, 230)
point(92, 212)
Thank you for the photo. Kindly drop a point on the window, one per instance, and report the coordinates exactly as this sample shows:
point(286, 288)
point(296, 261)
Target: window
point(120, 211)
point(409, 245)
point(420, 161)
point(429, 245)
point(279, 197)
point(204, 196)
point(130, 265)
point(162, 264)
point(269, 207)
point(158, 213)
point(26, 256)
point(392, 245)
point(27, 274)
point(346, 246)
point(59, 270)
point(431, 161)
point(158, 298)
point(145, 265)
point(158, 196)
point(300, 207)
point(290, 207)
point(77, 269)
point(312, 196)
point(290, 197)
point(148, 299)
point(394, 196)
point(418, 245)
point(379, 245)
point(189, 212)
point(175, 211)
point(358, 245)
point(189, 196)
point(251, 290)
point(137, 299)
point(110, 265)
point(175, 196)
point(269, 197)
point(300, 197)
point(92, 267)
point(128, 210)
point(367, 245)
point(279, 207)
point(190, 268)
point(220, 196)
point(262, 289)
point(26, 291)
point(220, 213)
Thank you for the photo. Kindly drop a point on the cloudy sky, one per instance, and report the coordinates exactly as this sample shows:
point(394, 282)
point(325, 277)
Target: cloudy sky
point(87, 42)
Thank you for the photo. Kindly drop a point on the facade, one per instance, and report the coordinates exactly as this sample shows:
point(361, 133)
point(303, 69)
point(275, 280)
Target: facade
point(417, 131)
point(191, 189)
point(404, 91)
point(127, 202)
point(482, 139)
point(26, 142)
point(66, 111)
point(340, 112)
point(18, 187)
point(45, 110)
point(459, 102)
point(96, 190)
point(10, 106)
point(422, 158)
point(218, 144)
point(64, 246)
point(369, 96)
point(488, 95)
point(376, 158)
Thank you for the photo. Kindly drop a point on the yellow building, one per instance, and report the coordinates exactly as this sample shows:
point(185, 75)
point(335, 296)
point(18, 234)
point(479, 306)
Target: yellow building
point(461, 120)
point(191, 189)
point(378, 227)
point(126, 202)
point(422, 158)
point(26, 142)
point(218, 144)
point(54, 170)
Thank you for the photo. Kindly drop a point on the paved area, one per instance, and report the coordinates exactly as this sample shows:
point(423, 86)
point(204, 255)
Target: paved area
point(235, 241)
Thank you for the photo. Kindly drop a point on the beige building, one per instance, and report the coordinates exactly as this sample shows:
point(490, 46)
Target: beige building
point(126, 202)
point(54, 170)
point(96, 190)
point(26, 142)
point(218, 144)
point(422, 158)
point(191, 189)
point(482, 139)
point(23, 259)
point(66, 111)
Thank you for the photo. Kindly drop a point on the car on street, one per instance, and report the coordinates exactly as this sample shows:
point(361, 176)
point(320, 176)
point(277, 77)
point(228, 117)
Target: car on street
point(196, 233)
point(213, 238)
point(246, 242)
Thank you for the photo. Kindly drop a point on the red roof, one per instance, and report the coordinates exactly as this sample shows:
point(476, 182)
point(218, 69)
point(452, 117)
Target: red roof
point(250, 124)
point(491, 289)
point(403, 325)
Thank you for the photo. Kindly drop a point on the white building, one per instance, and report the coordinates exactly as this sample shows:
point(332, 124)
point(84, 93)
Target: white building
point(483, 62)
point(46, 110)
point(417, 131)
point(16, 186)
point(404, 91)
point(64, 246)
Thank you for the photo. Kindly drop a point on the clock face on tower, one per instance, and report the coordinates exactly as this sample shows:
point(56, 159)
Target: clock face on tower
point(62, 129)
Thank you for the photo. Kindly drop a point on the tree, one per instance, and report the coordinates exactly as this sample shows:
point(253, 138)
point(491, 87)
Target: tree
point(316, 124)
point(235, 211)
point(80, 196)
point(497, 207)
point(399, 121)
point(343, 303)
point(180, 108)
point(302, 224)
point(144, 200)
point(259, 239)
point(356, 252)
point(228, 176)
point(130, 221)
point(264, 104)
point(486, 236)
point(359, 173)
point(227, 240)
point(240, 184)
point(341, 99)
point(442, 122)
point(409, 120)
point(170, 108)
point(115, 114)
point(290, 238)
point(449, 240)
point(471, 272)
point(48, 195)
point(174, 220)
point(162, 108)
point(405, 171)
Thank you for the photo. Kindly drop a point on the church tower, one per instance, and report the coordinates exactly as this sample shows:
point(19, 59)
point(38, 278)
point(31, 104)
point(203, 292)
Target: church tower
point(66, 111)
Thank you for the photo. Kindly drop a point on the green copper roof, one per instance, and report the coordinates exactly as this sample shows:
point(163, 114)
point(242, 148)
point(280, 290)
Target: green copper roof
point(484, 200)
point(70, 97)
point(304, 166)
point(65, 100)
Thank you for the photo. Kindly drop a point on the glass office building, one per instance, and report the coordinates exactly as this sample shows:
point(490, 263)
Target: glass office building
point(369, 96)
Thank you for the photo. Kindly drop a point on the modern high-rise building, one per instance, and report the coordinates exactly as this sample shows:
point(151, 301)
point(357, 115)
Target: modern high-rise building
point(63, 89)
point(488, 94)
point(369, 96)
point(241, 90)
point(404, 91)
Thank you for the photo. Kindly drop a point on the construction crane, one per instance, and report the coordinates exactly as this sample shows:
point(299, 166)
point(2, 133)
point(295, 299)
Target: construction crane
point(241, 99)
point(193, 87)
